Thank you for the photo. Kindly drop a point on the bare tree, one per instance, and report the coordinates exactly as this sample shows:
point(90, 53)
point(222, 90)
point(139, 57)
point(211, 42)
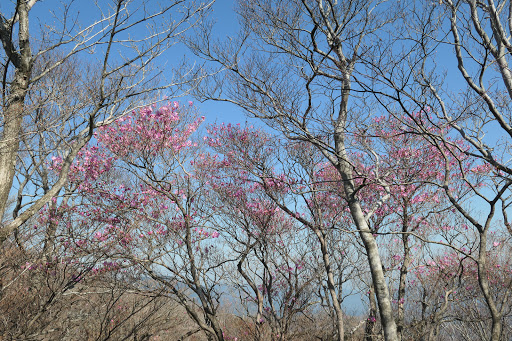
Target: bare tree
point(467, 99)
point(293, 65)
point(127, 38)
point(292, 177)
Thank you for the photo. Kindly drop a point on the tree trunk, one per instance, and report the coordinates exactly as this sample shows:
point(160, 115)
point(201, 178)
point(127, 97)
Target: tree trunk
point(331, 287)
point(404, 270)
point(369, 331)
point(370, 245)
point(14, 104)
point(483, 281)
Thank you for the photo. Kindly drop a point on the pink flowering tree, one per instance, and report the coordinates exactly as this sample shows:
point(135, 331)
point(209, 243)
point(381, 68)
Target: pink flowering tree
point(61, 262)
point(153, 216)
point(185, 211)
point(410, 168)
point(390, 163)
point(291, 177)
point(54, 95)
point(434, 178)
point(274, 273)
point(446, 296)
point(466, 173)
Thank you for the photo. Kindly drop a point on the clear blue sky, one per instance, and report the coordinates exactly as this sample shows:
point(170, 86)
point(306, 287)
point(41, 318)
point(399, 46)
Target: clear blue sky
point(47, 12)
point(226, 24)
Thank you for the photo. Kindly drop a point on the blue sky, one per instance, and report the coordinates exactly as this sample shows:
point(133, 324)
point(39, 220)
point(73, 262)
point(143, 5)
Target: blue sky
point(47, 12)
point(226, 24)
